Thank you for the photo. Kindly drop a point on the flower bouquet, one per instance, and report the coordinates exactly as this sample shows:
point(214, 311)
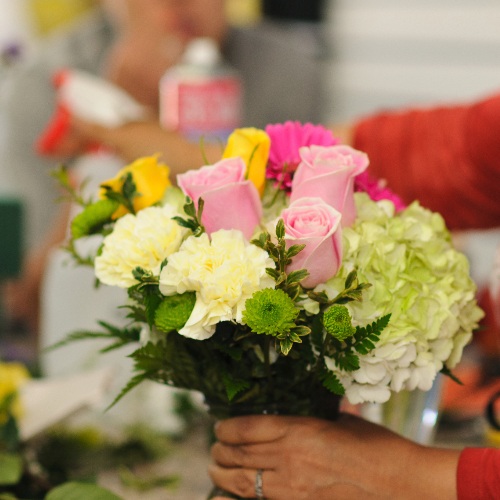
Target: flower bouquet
point(280, 278)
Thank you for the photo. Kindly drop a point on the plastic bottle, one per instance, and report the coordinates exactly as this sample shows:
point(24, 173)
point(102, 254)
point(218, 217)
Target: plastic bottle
point(202, 96)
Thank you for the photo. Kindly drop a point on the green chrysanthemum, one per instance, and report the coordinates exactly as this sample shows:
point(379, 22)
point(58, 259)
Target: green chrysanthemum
point(270, 311)
point(92, 218)
point(337, 322)
point(174, 311)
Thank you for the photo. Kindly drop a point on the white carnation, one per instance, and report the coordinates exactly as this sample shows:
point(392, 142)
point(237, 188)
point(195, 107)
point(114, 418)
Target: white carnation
point(143, 240)
point(224, 272)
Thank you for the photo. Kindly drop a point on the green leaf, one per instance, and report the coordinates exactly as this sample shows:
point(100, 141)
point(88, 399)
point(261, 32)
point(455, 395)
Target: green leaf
point(93, 218)
point(446, 371)
point(301, 330)
point(367, 336)
point(123, 335)
point(333, 384)
point(297, 276)
point(7, 496)
point(320, 297)
point(131, 480)
point(347, 361)
point(351, 279)
point(274, 273)
point(11, 468)
point(234, 386)
point(280, 229)
point(131, 384)
point(294, 250)
point(80, 491)
point(286, 345)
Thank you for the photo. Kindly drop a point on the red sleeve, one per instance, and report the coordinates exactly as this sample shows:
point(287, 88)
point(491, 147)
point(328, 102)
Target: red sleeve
point(478, 474)
point(448, 158)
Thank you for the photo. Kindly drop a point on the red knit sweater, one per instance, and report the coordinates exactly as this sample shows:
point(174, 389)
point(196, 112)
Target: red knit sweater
point(478, 474)
point(448, 158)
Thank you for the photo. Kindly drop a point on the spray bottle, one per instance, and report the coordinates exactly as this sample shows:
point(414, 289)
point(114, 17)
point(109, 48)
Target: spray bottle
point(202, 96)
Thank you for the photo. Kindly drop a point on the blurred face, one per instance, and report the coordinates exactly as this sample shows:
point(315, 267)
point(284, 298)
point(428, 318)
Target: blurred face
point(182, 19)
point(153, 34)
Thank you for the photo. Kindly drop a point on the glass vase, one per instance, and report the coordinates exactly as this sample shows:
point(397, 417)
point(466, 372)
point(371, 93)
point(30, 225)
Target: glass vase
point(412, 414)
point(321, 404)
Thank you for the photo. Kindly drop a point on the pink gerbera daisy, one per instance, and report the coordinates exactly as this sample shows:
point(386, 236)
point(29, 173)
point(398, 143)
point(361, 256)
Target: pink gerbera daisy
point(377, 190)
point(286, 140)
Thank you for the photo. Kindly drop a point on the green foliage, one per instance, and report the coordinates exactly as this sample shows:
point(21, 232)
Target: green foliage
point(61, 175)
point(9, 432)
point(193, 220)
point(118, 336)
point(126, 195)
point(366, 337)
point(173, 311)
point(93, 218)
point(363, 341)
point(131, 480)
point(80, 491)
point(353, 291)
point(289, 283)
point(446, 371)
point(11, 468)
point(234, 385)
point(332, 383)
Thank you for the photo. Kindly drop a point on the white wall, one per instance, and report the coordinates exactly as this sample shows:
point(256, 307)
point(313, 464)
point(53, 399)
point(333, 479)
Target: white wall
point(388, 53)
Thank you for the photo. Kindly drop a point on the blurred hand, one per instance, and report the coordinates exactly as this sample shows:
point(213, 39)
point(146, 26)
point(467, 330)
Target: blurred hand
point(136, 139)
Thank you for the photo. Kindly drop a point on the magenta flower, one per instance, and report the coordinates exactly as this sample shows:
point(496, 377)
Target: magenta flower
point(286, 140)
point(376, 189)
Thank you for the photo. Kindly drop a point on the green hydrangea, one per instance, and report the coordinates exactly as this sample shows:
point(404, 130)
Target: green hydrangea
point(270, 311)
point(422, 280)
point(174, 311)
point(338, 323)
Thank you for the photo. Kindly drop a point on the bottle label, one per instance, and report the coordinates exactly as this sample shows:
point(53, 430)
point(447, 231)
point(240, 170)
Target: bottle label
point(208, 108)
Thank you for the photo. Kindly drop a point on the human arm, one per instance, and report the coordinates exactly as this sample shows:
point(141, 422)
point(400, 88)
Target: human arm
point(446, 157)
point(312, 458)
point(21, 295)
point(136, 139)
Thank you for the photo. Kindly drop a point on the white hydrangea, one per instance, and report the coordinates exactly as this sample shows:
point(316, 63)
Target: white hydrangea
point(422, 281)
point(224, 272)
point(145, 240)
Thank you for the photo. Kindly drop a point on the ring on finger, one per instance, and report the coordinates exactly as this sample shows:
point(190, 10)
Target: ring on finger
point(259, 494)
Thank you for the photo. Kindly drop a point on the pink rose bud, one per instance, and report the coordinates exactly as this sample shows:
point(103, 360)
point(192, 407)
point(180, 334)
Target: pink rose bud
point(230, 201)
point(316, 224)
point(328, 172)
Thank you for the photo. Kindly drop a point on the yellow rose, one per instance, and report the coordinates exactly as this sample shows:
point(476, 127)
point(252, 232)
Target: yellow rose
point(12, 377)
point(253, 146)
point(151, 179)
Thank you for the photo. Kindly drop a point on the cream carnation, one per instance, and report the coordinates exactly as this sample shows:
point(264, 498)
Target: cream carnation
point(143, 240)
point(224, 272)
point(422, 281)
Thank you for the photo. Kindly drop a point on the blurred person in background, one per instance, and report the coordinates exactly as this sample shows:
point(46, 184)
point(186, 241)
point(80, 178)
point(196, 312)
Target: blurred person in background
point(132, 43)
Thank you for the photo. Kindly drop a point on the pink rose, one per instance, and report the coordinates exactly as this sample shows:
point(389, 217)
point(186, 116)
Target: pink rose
point(231, 202)
point(328, 172)
point(316, 224)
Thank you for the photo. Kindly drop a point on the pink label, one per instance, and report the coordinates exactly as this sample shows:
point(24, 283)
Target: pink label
point(208, 106)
